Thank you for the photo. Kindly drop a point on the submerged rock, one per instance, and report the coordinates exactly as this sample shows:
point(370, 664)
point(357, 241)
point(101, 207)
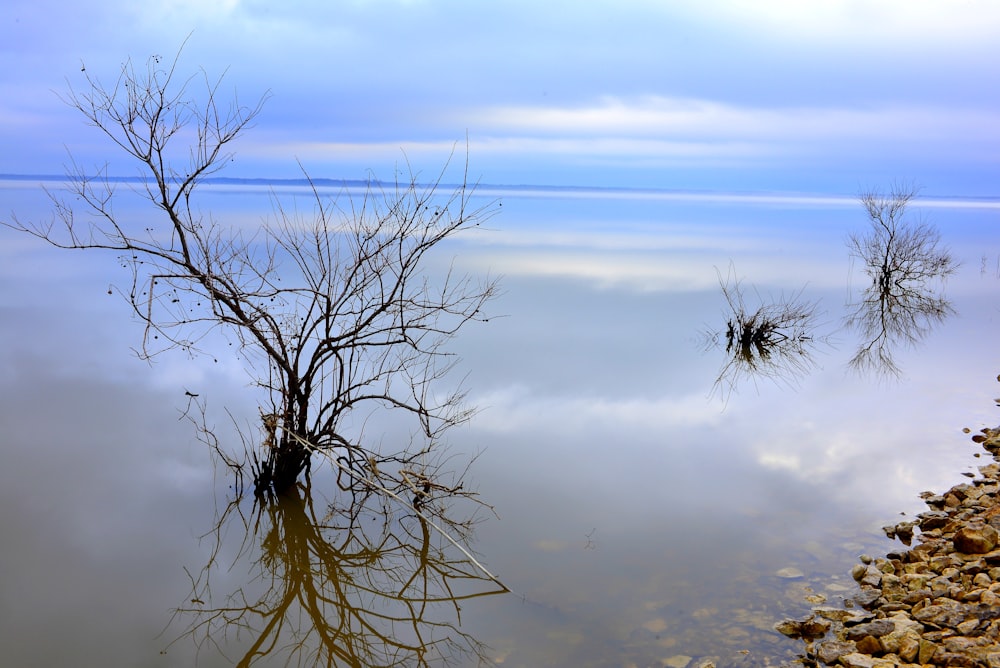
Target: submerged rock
point(809, 628)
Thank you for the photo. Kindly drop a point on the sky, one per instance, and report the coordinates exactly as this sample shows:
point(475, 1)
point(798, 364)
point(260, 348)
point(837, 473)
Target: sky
point(721, 95)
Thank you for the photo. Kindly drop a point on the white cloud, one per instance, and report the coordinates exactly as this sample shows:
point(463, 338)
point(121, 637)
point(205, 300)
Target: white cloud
point(657, 131)
point(683, 124)
point(911, 23)
point(191, 10)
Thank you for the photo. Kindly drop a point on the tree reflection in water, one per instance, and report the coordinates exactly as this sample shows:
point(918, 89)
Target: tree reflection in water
point(359, 585)
point(776, 340)
point(907, 266)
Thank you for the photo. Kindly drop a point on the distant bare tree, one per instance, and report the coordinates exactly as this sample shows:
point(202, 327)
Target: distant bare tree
point(907, 266)
point(334, 310)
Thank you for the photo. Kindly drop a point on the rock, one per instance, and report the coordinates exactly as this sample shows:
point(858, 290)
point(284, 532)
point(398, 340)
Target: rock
point(956, 660)
point(872, 577)
point(677, 661)
point(935, 501)
point(927, 651)
point(975, 539)
point(878, 628)
point(933, 604)
point(904, 532)
point(959, 644)
point(869, 645)
point(967, 627)
point(790, 573)
point(858, 660)
point(893, 588)
point(789, 627)
point(830, 651)
point(867, 597)
point(943, 613)
point(809, 628)
point(904, 639)
point(908, 649)
point(849, 616)
point(934, 519)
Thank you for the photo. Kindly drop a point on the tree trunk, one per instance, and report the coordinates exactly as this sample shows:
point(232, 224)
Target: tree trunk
point(280, 471)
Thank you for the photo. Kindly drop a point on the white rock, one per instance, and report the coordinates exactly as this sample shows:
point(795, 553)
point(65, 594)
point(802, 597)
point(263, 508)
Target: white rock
point(790, 573)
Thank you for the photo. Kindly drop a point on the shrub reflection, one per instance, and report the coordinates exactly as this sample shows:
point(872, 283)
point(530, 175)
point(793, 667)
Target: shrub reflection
point(356, 585)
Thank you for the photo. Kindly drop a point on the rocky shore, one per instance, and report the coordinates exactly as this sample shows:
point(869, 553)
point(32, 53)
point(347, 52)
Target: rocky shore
point(934, 604)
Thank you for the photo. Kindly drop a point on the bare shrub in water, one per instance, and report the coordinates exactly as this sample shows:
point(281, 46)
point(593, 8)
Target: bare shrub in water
point(333, 310)
point(774, 340)
point(907, 267)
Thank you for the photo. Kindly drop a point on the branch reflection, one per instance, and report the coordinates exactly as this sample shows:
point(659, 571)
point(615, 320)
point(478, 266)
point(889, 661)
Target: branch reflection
point(358, 585)
point(907, 266)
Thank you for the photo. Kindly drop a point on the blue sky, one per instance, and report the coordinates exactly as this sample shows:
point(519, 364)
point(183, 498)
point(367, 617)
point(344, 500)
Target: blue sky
point(737, 95)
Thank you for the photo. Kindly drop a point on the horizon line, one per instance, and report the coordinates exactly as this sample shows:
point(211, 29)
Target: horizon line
point(580, 191)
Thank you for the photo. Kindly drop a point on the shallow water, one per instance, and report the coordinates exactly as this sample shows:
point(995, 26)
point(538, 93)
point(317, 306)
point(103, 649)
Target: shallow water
point(643, 514)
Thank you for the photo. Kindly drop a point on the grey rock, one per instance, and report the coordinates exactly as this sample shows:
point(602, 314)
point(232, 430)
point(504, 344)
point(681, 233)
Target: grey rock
point(944, 613)
point(829, 652)
point(877, 629)
point(867, 598)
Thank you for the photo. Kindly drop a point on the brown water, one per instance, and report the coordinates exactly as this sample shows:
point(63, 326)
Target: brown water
point(641, 518)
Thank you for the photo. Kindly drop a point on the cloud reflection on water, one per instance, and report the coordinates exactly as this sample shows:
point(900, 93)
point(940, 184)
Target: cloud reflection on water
point(597, 421)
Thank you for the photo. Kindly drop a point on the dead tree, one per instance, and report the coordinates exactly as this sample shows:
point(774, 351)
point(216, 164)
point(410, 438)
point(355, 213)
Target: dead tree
point(334, 311)
point(907, 267)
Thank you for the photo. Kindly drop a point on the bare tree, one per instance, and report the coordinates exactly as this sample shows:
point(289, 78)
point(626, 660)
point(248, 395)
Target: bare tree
point(774, 340)
point(334, 311)
point(907, 266)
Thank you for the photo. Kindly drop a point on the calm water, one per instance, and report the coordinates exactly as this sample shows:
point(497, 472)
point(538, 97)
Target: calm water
point(643, 515)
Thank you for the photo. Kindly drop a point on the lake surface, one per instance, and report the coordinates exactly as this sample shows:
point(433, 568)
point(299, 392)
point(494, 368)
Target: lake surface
point(644, 514)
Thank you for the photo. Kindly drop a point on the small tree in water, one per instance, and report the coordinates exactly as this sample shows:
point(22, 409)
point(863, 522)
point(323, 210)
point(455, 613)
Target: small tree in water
point(350, 320)
point(775, 340)
point(907, 266)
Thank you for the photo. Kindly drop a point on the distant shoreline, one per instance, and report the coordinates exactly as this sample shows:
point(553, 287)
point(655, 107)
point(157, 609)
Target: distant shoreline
point(555, 191)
